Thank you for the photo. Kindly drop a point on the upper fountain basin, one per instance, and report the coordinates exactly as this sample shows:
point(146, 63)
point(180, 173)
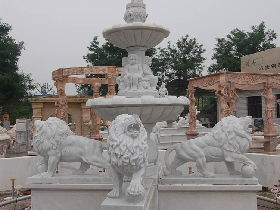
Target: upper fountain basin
point(136, 35)
point(148, 108)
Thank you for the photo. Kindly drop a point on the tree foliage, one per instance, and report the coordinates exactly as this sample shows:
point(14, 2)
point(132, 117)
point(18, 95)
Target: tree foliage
point(238, 43)
point(175, 64)
point(14, 85)
point(45, 89)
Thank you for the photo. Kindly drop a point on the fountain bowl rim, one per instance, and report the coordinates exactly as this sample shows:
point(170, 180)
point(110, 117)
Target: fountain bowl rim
point(135, 26)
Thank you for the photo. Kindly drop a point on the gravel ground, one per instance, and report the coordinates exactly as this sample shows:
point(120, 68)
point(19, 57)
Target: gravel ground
point(21, 205)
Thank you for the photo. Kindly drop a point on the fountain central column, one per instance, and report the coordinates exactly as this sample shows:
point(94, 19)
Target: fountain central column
point(139, 51)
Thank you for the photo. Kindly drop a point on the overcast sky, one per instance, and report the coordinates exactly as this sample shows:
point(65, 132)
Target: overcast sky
point(57, 32)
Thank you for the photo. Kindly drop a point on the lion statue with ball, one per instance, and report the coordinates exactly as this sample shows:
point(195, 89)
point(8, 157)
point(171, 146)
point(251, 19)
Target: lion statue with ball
point(55, 142)
point(227, 142)
point(127, 151)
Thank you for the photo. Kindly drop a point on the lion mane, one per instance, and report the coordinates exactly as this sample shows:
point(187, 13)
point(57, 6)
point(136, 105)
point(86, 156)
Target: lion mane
point(123, 148)
point(232, 134)
point(49, 134)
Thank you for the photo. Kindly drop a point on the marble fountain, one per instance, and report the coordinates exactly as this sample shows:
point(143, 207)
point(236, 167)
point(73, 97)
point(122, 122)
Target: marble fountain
point(137, 85)
point(140, 176)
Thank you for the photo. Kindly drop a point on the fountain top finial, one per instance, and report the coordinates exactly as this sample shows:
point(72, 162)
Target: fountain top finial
point(135, 12)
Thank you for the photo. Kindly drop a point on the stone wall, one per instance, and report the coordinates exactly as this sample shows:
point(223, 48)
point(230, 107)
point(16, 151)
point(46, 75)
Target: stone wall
point(19, 168)
point(242, 102)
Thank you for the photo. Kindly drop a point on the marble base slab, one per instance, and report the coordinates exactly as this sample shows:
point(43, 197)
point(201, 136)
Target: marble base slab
point(219, 179)
point(68, 192)
point(69, 179)
point(123, 203)
point(210, 197)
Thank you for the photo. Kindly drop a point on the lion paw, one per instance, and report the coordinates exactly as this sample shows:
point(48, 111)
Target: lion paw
point(235, 173)
point(46, 174)
point(209, 175)
point(134, 189)
point(114, 194)
point(176, 172)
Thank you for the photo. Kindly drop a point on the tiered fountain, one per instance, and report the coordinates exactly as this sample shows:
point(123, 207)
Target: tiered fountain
point(137, 94)
point(137, 85)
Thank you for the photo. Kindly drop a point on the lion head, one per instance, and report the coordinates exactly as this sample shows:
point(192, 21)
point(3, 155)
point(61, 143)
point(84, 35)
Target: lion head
point(233, 134)
point(127, 141)
point(49, 134)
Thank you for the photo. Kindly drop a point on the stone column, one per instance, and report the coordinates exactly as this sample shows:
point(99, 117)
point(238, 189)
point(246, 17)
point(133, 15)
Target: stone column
point(233, 97)
point(61, 106)
point(37, 111)
point(95, 119)
point(192, 132)
point(222, 95)
point(269, 129)
point(112, 80)
point(86, 114)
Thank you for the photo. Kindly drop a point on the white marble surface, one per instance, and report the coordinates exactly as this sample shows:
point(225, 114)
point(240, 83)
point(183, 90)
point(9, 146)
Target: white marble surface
point(208, 197)
point(65, 146)
point(148, 108)
point(69, 179)
point(128, 154)
point(268, 172)
point(68, 192)
point(20, 168)
point(220, 179)
point(227, 142)
point(57, 197)
point(125, 203)
point(88, 195)
point(132, 34)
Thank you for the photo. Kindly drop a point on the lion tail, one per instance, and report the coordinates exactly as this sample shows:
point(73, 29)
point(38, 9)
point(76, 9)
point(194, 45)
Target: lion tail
point(166, 170)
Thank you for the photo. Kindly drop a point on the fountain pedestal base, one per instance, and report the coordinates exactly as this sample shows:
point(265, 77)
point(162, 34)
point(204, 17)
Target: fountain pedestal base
point(211, 196)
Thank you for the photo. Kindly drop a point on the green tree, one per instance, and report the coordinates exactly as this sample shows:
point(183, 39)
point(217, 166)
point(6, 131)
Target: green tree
point(14, 85)
point(175, 64)
point(103, 55)
point(238, 43)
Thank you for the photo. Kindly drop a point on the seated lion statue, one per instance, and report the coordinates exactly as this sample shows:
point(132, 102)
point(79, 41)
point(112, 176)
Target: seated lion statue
point(228, 141)
point(127, 151)
point(55, 142)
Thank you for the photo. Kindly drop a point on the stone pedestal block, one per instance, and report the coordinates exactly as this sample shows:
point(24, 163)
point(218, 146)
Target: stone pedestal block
point(208, 196)
point(21, 147)
point(68, 192)
point(85, 192)
point(23, 135)
point(7, 125)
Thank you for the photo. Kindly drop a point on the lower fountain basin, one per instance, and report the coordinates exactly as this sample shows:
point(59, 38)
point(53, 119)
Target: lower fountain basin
point(148, 108)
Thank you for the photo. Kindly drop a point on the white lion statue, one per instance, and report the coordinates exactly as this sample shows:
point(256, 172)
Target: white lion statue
point(127, 154)
point(55, 142)
point(227, 142)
